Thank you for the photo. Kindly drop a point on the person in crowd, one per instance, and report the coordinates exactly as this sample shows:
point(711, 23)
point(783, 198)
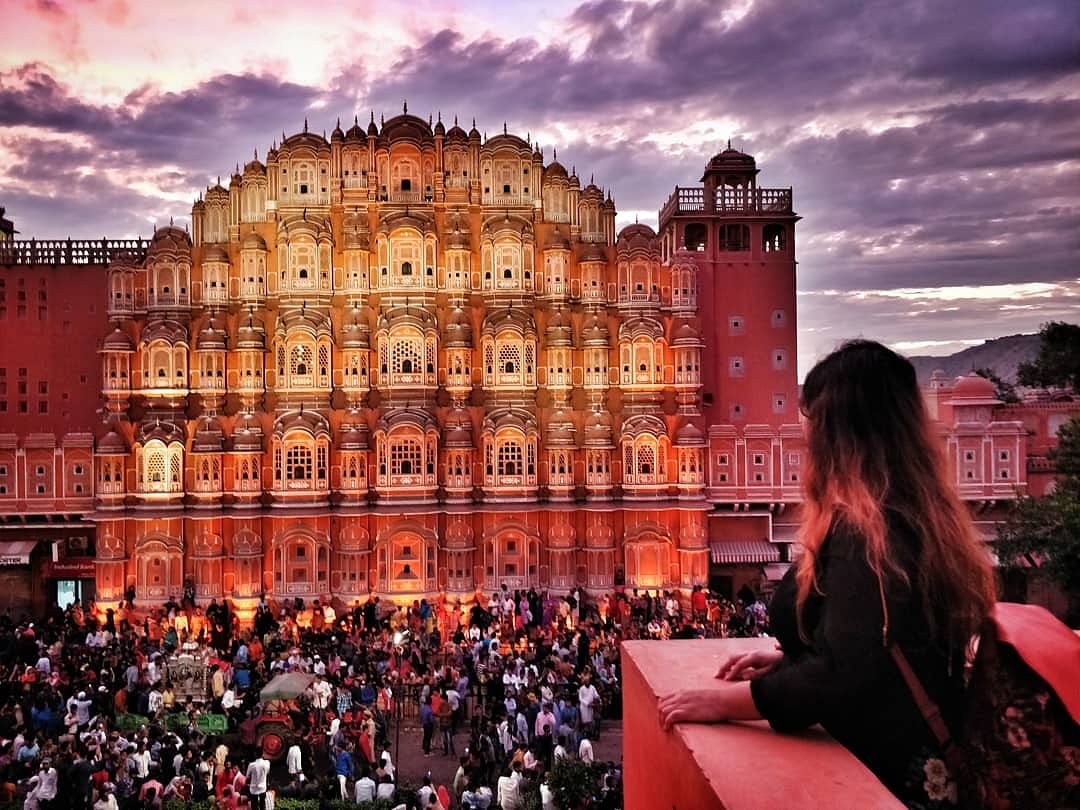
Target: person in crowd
point(891, 558)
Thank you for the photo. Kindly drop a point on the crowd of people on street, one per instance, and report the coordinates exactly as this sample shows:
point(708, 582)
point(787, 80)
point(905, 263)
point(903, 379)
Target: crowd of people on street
point(153, 706)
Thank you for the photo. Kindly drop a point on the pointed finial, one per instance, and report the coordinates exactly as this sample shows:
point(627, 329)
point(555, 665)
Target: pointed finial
point(592, 178)
point(237, 169)
point(324, 133)
point(429, 119)
point(256, 153)
point(455, 119)
point(339, 122)
point(373, 116)
point(729, 143)
point(305, 213)
point(305, 123)
point(635, 219)
point(439, 116)
point(554, 153)
point(382, 120)
point(283, 136)
point(405, 106)
point(474, 122)
point(219, 179)
point(504, 127)
point(170, 222)
point(528, 136)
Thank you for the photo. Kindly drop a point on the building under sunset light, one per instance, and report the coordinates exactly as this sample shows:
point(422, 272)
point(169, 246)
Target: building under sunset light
point(408, 360)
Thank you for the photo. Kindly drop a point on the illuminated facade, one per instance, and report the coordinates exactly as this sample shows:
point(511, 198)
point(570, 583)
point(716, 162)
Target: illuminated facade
point(410, 360)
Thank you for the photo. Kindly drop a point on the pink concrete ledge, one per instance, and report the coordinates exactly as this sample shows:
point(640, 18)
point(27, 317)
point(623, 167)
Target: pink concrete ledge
point(737, 766)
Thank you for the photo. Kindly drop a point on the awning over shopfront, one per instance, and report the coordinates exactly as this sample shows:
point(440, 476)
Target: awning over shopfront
point(16, 552)
point(743, 552)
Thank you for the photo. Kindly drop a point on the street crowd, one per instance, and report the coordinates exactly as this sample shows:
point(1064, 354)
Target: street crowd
point(508, 684)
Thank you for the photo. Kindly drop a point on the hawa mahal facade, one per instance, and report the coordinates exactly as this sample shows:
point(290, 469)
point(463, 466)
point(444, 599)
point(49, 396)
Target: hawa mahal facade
point(409, 360)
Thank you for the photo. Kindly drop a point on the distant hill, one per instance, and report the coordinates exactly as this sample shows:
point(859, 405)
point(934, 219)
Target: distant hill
point(1001, 354)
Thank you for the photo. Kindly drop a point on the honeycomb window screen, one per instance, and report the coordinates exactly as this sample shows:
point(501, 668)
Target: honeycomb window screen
point(155, 467)
point(510, 457)
point(405, 355)
point(646, 459)
point(175, 470)
point(509, 359)
point(406, 457)
point(324, 361)
point(298, 462)
point(300, 360)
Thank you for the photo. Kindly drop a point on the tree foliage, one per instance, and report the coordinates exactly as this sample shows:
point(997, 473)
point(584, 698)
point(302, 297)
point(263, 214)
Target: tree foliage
point(1058, 361)
point(573, 783)
point(1005, 390)
point(1047, 530)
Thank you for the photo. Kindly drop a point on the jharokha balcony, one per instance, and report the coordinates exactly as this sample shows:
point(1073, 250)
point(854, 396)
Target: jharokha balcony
point(731, 766)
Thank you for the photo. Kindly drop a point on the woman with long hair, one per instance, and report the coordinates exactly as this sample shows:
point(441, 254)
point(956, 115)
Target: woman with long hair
point(890, 557)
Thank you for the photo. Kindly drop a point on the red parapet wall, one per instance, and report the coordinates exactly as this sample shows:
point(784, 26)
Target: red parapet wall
point(737, 766)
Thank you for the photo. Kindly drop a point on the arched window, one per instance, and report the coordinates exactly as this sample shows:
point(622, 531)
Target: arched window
point(161, 467)
point(773, 239)
point(734, 237)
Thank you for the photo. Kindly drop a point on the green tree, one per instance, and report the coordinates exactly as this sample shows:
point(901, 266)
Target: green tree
point(1006, 392)
point(1047, 529)
point(1058, 361)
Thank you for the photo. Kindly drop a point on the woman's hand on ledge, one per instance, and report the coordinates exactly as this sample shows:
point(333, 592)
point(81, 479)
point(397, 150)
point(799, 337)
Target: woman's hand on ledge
point(749, 665)
point(716, 703)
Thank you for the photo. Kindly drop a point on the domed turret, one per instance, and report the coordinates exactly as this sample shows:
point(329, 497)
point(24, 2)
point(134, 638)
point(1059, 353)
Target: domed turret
point(117, 341)
point(560, 430)
point(559, 331)
point(355, 332)
point(354, 436)
point(212, 337)
point(594, 331)
point(111, 444)
point(247, 434)
point(974, 389)
point(557, 240)
point(598, 431)
point(458, 431)
point(458, 329)
point(252, 241)
point(251, 333)
point(208, 436)
point(689, 435)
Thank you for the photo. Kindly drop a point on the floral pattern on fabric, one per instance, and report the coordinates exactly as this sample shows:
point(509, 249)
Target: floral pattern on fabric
point(928, 784)
point(1021, 747)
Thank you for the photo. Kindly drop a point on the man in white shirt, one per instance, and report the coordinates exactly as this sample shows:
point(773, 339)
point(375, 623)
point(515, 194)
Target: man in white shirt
point(294, 762)
point(587, 698)
point(141, 758)
point(257, 774)
point(547, 796)
point(385, 790)
point(509, 795)
point(585, 752)
point(365, 789)
point(48, 781)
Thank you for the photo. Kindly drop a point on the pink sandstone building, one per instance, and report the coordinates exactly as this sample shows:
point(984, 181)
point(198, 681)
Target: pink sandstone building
point(409, 360)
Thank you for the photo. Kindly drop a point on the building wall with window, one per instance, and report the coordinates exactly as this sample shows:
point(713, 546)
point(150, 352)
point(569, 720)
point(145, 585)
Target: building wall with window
point(409, 360)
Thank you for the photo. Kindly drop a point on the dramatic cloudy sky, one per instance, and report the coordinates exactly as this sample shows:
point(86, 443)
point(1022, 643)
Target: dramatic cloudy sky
point(934, 147)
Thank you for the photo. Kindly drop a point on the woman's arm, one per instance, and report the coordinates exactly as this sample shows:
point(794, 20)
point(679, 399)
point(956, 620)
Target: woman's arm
point(720, 702)
point(846, 652)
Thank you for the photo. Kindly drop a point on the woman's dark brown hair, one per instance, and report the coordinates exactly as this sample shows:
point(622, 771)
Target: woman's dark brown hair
point(873, 451)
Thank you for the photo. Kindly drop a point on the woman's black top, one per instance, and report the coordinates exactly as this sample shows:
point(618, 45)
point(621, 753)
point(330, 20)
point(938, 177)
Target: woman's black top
point(845, 678)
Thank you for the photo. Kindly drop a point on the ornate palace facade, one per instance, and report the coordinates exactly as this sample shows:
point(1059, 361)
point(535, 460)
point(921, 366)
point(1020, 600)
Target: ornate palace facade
point(410, 360)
